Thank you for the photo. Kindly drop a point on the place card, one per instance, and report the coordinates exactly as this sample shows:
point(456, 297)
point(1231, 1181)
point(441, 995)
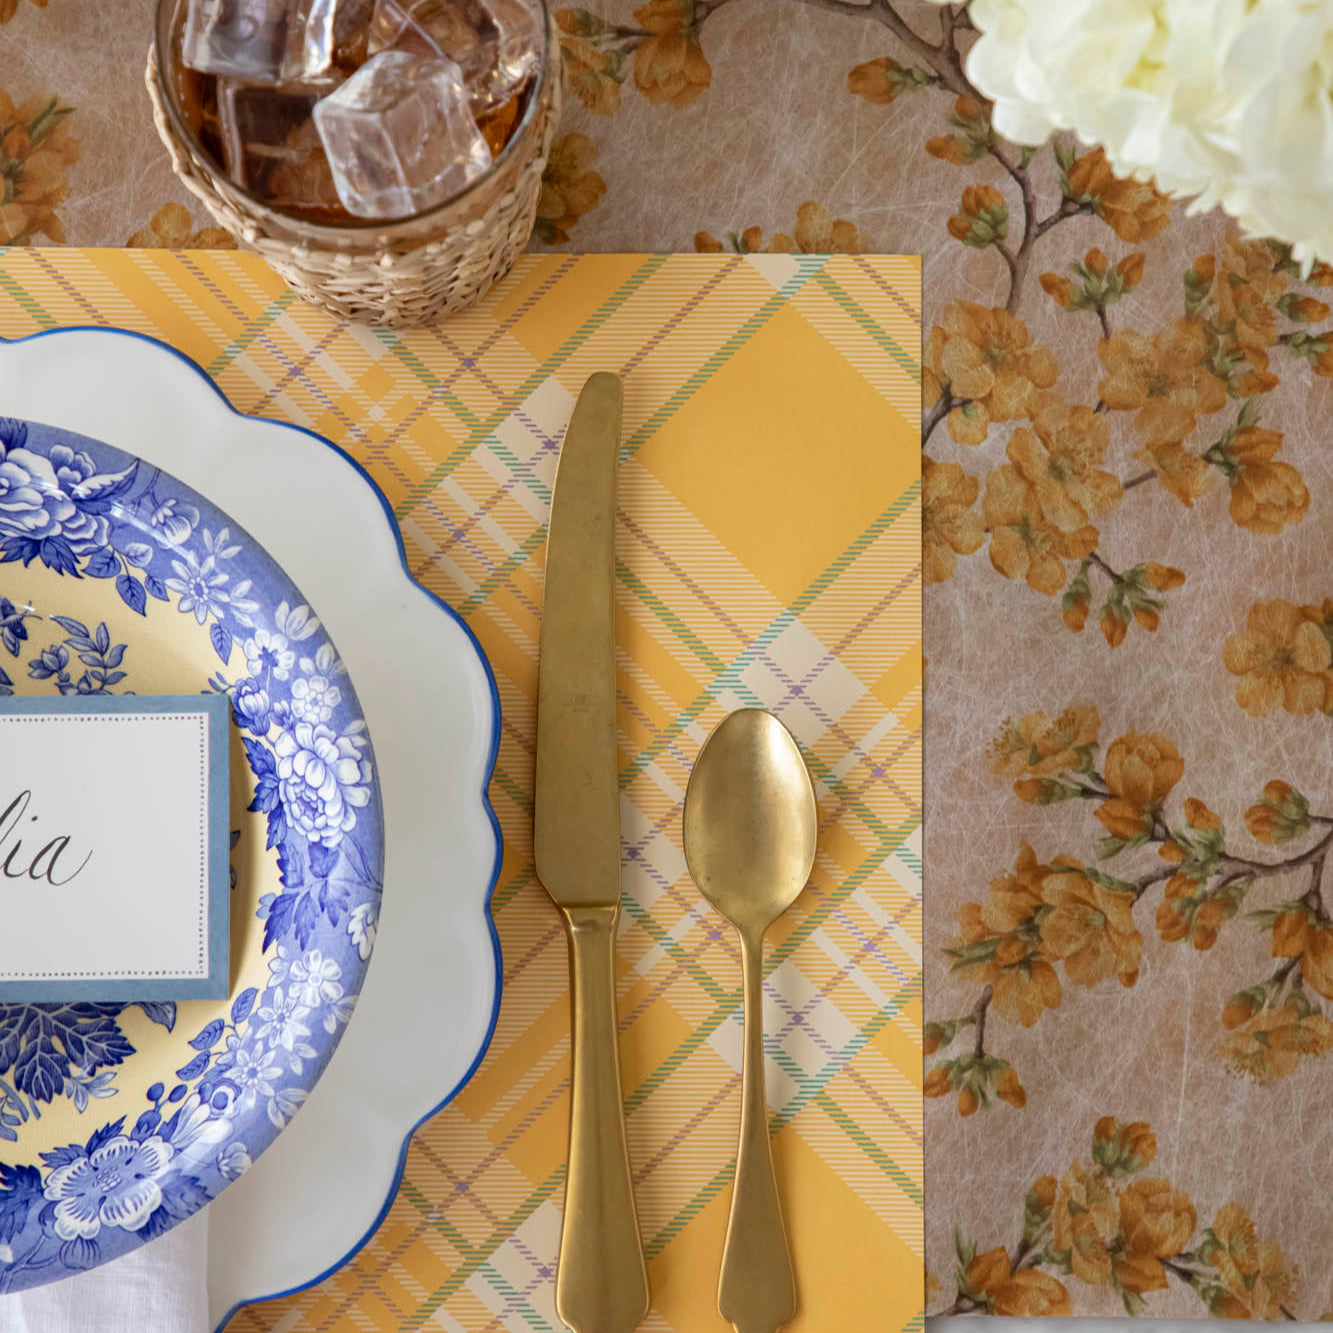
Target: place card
point(114, 848)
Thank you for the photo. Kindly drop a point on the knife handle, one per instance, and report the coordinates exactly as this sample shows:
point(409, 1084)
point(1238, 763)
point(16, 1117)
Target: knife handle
point(601, 1285)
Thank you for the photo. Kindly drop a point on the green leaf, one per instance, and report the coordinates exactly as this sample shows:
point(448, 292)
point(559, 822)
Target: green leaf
point(1108, 881)
point(965, 1249)
point(1025, 158)
point(1196, 291)
point(974, 952)
point(587, 24)
point(1109, 847)
point(1062, 1259)
point(944, 1033)
point(47, 119)
point(1134, 1303)
point(1237, 889)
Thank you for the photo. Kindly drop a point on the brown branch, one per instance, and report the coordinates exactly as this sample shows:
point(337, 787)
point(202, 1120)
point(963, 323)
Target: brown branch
point(979, 1018)
point(962, 19)
point(1020, 178)
point(1137, 481)
point(1026, 1255)
point(1185, 1274)
point(1312, 856)
point(1189, 1275)
point(1104, 567)
point(1102, 319)
point(1284, 972)
point(1145, 882)
point(937, 414)
point(1068, 208)
point(883, 12)
point(1313, 898)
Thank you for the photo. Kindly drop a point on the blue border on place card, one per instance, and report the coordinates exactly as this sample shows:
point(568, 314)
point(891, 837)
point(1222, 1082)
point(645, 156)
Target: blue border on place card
point(217, 984)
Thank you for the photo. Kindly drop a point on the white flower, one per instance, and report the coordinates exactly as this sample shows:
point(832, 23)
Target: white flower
point(243, 606)
point(200, 587)
point(254, 1071)
point(217, 546)
point(361, 925)
point(279, 966)
point(340, 1013)
point(315, 979)
point(324, 663)
point(1227, 100)
point(266, 653)
point(234, 1160)
point(284, 1104)
point(280, 1022)
point(173, 521)
point(200, 1127)
point(322, 781)
point(314, 697)
point(296, 623)
point(115, 1186)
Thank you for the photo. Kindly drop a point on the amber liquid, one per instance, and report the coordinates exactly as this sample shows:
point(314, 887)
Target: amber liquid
point(197, 98)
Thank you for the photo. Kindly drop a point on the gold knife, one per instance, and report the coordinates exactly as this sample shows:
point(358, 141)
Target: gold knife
point(601, 1285)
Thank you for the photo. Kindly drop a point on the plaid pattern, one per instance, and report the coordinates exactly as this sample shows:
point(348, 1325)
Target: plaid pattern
point(768, 554)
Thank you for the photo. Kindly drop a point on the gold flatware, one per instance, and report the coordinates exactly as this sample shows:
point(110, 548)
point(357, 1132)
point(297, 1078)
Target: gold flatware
point(750, 831)
point(601, 1284)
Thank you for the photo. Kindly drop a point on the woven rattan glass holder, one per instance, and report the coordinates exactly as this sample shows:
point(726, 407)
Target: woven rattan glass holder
point(417, 270)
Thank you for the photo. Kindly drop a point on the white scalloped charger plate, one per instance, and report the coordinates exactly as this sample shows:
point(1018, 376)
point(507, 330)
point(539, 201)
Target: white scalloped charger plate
point(430, 999)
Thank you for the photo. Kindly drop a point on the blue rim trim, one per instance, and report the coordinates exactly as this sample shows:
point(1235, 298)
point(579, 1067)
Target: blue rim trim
point(356, 465)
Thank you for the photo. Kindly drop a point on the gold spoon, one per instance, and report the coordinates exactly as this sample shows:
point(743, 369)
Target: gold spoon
point(750, 831)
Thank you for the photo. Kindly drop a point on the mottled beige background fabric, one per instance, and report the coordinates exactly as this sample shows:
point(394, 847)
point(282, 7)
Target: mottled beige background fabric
point(1154, 1138)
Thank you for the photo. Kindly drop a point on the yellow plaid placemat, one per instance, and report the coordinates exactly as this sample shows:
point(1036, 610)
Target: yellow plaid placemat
point(768, 554)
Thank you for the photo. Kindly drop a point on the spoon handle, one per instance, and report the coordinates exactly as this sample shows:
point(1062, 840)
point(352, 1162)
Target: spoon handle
point(757, 1289)
point(601, 1285)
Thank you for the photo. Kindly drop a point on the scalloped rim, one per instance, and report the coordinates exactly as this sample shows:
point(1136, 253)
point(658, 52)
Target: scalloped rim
point(488, 809)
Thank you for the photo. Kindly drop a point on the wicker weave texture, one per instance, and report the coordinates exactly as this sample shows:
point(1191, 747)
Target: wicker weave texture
point(409, 273)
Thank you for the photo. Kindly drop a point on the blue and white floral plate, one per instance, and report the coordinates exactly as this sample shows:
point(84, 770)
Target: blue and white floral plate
point(118, 1121)
point(427, 1009)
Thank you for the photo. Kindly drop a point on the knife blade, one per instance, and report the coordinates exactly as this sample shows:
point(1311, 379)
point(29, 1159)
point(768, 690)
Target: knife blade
point(577, 814)
point(601, 1281)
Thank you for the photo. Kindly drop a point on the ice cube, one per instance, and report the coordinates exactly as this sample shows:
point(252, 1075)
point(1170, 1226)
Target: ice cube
point(399, 135)
point(261, 41)
point(494, 42)
point(270, 144)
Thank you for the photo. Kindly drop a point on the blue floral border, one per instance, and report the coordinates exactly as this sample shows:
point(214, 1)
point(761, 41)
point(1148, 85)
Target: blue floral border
point(85, 510)
point(205, 382)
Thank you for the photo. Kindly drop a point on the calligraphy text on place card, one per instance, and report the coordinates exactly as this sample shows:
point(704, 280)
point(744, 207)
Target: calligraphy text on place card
point(45, 863)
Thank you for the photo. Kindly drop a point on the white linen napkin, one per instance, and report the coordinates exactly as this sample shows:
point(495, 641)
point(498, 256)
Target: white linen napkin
point(161, 1287)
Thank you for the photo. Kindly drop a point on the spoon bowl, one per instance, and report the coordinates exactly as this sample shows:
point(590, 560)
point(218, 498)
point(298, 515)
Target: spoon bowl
point(750, 833)
point(750, 822)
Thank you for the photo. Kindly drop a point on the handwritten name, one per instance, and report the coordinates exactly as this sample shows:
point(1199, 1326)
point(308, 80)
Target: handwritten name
point(45, 864)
